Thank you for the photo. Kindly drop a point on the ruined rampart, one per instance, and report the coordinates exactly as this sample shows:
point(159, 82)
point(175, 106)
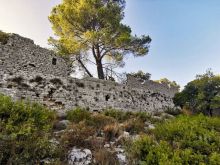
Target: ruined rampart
point(30, 72)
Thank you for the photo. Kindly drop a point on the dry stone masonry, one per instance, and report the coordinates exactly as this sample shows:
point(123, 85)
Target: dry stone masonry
point(20, 54)
point(28, 71)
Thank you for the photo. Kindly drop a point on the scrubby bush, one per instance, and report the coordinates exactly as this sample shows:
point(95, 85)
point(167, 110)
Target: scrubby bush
point(24, 132)
point(3, 37)
point(143, 116)
point(134, 126)
point(78, 114)
point(122, 116)
point(105, 157)
point(174, 111)
point(184, 140)
point(99, 121)
point(77, 136)
point(146, 151)
point(111, 131)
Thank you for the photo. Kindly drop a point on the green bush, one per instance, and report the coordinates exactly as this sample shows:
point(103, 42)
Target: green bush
point(184, 140)
point(122, 116)
point(174, 111)
point(77, 135)
point(3, 37)
point(200, 95)
point(99, 121)
point(143, 116)
point(78, 114)
point(134, 126)
point(25, 130)
point(111, 131)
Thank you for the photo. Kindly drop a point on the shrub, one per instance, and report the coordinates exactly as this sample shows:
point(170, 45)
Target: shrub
point(118, 115)
point(105, 157)
point(134, 126)
point(99, 121)
point(77, 136)
point(196, 132)
point(78, 114)
point(147, 151)
point(143, 116)
point(184, 140)
point(122, 116)
point(111, 131)
point(24, 132)
point(173, 111)
point(3, 37)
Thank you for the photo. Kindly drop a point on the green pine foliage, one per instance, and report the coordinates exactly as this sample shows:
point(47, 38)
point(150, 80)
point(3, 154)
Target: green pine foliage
point(94, 28)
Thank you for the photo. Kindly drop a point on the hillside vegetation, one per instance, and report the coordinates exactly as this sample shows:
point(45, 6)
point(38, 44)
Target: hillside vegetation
point(201, 95)
point(3, 37)
point(28, 135)
point(183, 140)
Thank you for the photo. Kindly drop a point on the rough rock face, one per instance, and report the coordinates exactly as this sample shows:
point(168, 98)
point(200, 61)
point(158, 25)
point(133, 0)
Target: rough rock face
point(29, 72)
point(80, 157)
point(20, 54)
point(65, 93)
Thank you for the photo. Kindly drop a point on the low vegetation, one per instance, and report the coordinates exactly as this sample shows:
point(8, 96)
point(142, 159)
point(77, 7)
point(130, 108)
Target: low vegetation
point(148, 139)
point(78, 115)
point(184, 140)
point(3, 37)
point(122, 116)
point(25, 132)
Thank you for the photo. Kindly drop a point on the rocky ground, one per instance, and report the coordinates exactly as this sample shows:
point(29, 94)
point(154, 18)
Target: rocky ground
point(106, 144)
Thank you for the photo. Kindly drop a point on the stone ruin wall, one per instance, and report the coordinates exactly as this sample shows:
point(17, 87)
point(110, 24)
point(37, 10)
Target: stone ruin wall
point(28, 72)
point(22, 55)
point(152, 85)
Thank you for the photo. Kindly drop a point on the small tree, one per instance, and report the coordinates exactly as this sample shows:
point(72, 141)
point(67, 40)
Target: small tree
point(141, 75)
point(3, 37)
point(168, 82)
point(92, 29)
point(201, 94)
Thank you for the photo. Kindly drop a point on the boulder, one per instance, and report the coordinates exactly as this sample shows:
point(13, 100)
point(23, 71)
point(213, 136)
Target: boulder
point(61, 125)
point(79, 157)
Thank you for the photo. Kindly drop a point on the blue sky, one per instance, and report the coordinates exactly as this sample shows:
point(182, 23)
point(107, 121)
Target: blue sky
point(185, 33)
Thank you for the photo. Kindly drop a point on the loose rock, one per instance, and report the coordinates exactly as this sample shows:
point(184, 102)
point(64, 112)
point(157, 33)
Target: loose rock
point(79, 157)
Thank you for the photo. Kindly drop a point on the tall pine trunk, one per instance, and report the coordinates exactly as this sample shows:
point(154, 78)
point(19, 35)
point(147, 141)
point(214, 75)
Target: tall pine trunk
point(100, 69)
point(97, 55)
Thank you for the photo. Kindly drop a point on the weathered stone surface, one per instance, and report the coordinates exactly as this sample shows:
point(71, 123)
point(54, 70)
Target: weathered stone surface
point(30, 72)
point(60, 93)
point(122, 158)
point(61, 114)
point(61, 125)
point(22, 55)
point(151, 126)
point(80, 157)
